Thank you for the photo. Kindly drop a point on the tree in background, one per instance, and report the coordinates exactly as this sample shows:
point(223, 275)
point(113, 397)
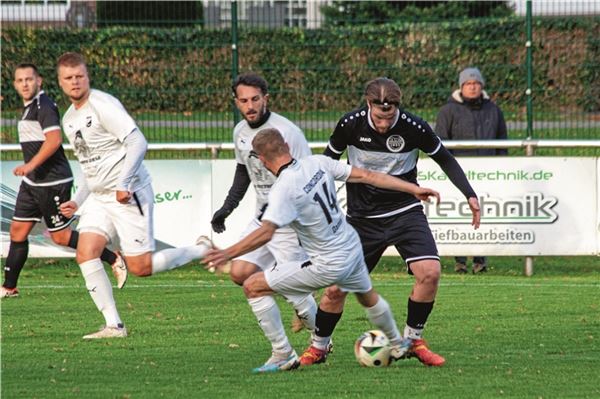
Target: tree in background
point(352, 12)
point(149, 13)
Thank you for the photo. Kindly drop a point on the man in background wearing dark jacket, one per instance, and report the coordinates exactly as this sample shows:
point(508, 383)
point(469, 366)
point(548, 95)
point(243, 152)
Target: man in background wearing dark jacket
point(471, 115)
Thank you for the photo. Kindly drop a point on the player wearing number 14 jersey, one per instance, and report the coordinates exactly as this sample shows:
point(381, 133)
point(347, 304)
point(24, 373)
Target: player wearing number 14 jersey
point(303, 197)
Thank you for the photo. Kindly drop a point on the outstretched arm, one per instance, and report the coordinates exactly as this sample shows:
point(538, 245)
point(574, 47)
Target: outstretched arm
point(382, 180)
point(256, 239)
point(453, 170)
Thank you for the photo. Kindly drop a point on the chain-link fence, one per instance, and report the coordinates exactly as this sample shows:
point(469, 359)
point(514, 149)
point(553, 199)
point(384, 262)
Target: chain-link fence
point(172, 63)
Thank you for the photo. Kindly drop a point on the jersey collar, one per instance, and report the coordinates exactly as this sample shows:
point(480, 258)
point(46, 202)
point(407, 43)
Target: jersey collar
point(37, 96)
point(393, 124)
point(285, 166)
point(261, 121)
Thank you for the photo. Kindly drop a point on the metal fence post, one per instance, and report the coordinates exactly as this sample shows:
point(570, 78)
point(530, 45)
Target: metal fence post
point(529, 58)
point(234, 54)
point(528, 267)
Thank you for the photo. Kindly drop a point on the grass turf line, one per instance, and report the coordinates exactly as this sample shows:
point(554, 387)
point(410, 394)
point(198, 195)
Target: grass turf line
point(192, 334)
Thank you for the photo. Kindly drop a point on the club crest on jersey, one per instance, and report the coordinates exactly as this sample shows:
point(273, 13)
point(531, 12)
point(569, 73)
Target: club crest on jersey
point(395, 143)
point(88, 121)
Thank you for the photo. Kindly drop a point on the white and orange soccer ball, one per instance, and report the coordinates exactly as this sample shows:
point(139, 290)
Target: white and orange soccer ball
point(373, 349)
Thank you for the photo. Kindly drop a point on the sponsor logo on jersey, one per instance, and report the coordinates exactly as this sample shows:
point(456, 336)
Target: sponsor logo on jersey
point(80, 146)
point(395, 143)
point(365, 139)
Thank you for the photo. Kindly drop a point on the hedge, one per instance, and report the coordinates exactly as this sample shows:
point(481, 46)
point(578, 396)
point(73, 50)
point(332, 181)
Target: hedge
point(190, 69)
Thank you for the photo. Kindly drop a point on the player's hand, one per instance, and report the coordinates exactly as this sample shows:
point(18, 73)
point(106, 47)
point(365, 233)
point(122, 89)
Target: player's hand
point(476, 211)
point(215, 258)
point(123, 197)
point(427, 194)
point(68, 208)
point(23, 170)
point(218, 219)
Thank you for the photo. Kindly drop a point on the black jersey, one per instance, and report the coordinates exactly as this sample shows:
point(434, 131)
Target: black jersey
point(395, 153)
point(39, 117)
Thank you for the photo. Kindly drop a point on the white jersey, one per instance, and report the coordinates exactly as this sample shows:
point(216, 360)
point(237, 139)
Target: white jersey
point(304, 197)
point(261, 178)
point(96, 131)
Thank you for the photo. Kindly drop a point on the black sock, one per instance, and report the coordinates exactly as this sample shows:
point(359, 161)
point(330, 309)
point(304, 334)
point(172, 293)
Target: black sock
point(15, 260)
point(73, 240)
point(107, 255)
point(325, 323)
point(418, 312)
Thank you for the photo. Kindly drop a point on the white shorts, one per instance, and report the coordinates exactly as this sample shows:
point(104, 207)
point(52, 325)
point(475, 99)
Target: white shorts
point(284, 247)
point(130, 223)
point(297, 278)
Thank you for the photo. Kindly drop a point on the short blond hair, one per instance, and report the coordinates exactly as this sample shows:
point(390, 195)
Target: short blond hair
point(70, 59)
point(269, 143)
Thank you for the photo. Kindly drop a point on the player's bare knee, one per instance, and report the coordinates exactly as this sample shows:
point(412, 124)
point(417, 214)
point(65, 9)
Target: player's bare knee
point(250, 289)
point(333, 296)
point(139, 269)
point(429, 277)
point(239, 273)
point(237, 277)
point(61, 237)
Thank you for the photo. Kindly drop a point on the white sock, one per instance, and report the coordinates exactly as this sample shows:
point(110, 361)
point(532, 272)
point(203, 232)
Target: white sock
point(412, 333)
point(267, 313)
point(169, 259)
point(100, 289)
point(381, 316)
point(306, 309)
point(321, 343)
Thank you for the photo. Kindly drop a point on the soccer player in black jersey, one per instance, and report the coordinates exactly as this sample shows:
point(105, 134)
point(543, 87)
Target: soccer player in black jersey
point(47, 181)
point(382, 136)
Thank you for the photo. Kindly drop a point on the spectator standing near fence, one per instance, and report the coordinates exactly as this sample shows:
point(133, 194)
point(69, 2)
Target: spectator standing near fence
point(470, 114)
point(47, 181)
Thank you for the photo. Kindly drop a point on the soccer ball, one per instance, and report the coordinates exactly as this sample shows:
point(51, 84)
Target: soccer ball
point(372, 349)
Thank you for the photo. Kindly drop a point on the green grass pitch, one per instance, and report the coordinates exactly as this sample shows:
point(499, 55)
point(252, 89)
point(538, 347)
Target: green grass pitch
point(192, 335)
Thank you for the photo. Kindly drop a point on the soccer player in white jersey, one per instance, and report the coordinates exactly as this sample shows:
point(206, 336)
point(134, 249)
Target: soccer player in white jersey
point(47, 181)
point(116, 189)
point(251, 98)
point(304, 198)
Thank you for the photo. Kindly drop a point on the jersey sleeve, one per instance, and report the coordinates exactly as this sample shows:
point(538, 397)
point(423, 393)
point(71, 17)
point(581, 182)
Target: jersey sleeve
point(337, 141)
point(238, 154)
point(113, 116)
point(48, 117)
point(281, 209)
point(339, 170)
point(429, 142)
point(298, 145)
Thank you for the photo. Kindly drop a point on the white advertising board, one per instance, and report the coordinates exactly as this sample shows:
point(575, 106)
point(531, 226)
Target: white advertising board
point(531, 206)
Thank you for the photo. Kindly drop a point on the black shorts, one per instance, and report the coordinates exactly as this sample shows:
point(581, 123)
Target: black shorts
point(37, 202)
point(408, 231)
